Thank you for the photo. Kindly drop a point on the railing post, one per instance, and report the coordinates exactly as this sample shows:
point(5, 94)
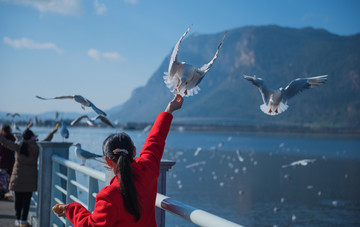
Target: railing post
point(70, 189)
point(93, 188)
point(47, 150)
point(165, 165)
point(55, 194)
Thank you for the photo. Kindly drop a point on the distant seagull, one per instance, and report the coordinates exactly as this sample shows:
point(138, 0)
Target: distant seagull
point(91, 121)
point(83, 154)
point(64, 131)
point(78, 98)
point(183, 78)
point(303, 162)
point(13, 115)
point(275, 101)
point(56, 115)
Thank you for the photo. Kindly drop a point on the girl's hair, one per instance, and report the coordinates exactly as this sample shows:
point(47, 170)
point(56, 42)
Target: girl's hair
point(6, 132)
point(123, 169)
point(27, 135)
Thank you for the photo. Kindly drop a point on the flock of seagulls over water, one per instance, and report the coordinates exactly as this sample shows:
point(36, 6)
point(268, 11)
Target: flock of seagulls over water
point(84, 103)
point(182, 78)
point(79, 152)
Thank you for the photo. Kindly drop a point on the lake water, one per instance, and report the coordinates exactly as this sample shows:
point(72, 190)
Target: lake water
point(247, 177)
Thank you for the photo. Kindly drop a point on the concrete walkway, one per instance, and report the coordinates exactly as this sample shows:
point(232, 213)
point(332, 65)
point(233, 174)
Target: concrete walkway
point(7, 213)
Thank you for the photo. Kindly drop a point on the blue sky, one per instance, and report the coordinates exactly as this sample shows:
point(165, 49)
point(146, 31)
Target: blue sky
point(103, 49)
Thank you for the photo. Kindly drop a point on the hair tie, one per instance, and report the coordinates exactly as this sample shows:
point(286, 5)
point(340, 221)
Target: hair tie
point(118, 151)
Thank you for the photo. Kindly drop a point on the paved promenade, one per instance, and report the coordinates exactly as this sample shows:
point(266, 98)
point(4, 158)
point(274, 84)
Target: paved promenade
point(7, 213)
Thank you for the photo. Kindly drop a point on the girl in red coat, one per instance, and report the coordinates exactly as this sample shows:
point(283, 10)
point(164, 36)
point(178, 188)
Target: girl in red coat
point(129, 200)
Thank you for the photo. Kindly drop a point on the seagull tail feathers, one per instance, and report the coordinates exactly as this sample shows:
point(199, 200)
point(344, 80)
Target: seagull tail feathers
point(192, 91)
point(282, 107)
point(171, 84)
point(267, 109)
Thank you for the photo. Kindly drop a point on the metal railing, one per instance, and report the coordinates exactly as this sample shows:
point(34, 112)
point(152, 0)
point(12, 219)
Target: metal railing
point(65, 186)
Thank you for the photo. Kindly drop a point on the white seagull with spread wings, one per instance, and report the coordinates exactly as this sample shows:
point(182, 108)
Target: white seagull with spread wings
point(275, 101)
point(183, 78)
point(78, 98)
point(91, 121)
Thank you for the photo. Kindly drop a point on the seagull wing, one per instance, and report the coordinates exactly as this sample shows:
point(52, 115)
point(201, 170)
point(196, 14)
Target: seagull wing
point(205, 68)
point(298, 85)
point(174, 54)
point(104, 119)
point(87, 154)
point(258, 82)
point(97, 110)
point(59, 97)
point(79, 119)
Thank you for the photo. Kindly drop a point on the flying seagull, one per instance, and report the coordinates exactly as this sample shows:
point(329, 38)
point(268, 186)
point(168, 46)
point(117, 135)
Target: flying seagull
point(91, 121)
point(78, 98)
point(303, 162)
point(275, 101)
point(13, 115)
point(183, 78)
point(83, 154)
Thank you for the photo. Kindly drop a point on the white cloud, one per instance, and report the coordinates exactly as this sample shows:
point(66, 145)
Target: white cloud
point(67, 7)
point(30, 44)
point(100, 8)
point(113, 56)
point(94, 54)
point(131, 1)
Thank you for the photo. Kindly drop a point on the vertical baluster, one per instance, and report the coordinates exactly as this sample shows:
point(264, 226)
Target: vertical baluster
point(55, 193)
point(71, 189)
point(93, 187)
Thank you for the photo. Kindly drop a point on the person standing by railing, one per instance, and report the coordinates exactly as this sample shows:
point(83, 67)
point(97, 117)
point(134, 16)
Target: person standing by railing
point(23, 180)
point(7, 159)
point(129, 200)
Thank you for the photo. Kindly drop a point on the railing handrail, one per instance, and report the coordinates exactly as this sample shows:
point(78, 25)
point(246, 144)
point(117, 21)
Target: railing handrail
point(191, 214)
point(83, 169)
point(187, 212)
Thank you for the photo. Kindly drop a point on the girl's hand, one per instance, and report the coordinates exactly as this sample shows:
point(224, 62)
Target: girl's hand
point(175, 104)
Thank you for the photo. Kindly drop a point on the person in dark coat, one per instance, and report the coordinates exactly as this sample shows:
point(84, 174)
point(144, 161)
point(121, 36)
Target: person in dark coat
point(23, 180)
point(7, 156)
point(7, 160)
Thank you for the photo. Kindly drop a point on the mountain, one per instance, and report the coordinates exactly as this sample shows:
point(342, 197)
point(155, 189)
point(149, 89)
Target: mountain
point(276, 54)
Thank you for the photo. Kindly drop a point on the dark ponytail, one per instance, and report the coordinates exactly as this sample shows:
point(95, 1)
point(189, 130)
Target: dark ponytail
point(123, 162)
point(24, 147)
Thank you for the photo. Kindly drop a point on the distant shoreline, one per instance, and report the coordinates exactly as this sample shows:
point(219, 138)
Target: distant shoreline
point(217, 127)
point(277, 129)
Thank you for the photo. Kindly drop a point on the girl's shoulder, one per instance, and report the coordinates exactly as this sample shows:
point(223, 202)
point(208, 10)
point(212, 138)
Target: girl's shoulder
point(112, 190)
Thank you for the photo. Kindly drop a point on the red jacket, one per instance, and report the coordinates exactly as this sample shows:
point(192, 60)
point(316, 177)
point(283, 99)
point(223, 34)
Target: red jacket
point(109, 207)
